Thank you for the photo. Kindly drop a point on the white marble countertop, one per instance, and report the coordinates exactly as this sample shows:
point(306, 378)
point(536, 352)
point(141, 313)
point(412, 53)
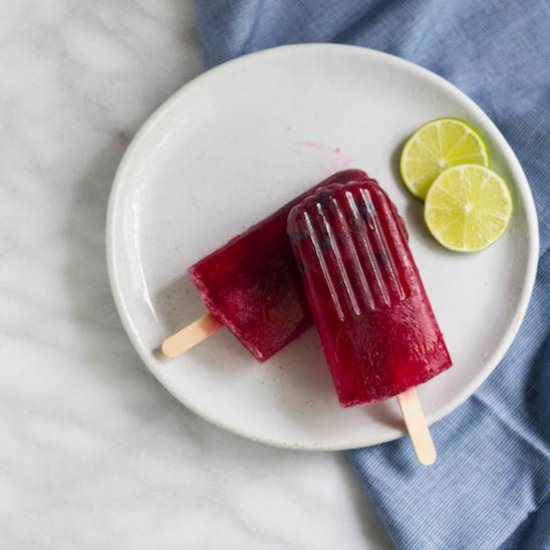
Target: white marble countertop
point(95, 454)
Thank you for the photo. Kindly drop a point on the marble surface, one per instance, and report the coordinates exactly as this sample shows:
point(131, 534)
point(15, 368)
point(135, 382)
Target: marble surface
point(95, 454)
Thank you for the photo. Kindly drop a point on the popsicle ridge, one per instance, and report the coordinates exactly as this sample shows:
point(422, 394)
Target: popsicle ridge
point(340, 222)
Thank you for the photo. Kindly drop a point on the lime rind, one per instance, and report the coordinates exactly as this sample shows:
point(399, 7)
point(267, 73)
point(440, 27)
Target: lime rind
point(477, 133)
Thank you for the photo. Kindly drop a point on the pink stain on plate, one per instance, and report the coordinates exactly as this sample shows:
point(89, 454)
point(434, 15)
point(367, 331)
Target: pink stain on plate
point(337, 159)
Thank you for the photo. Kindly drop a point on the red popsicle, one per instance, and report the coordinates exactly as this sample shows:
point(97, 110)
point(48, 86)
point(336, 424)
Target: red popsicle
point(376, 324)
point(252, 286)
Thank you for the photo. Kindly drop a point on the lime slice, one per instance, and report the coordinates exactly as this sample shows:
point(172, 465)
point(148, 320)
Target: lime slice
point(468, 208)
point(436, 146)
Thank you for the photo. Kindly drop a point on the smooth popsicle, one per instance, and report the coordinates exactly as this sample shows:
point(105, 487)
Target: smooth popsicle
point(252, 286)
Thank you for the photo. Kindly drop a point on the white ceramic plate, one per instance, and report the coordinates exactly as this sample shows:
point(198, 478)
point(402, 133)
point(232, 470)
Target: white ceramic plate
point(241, 140)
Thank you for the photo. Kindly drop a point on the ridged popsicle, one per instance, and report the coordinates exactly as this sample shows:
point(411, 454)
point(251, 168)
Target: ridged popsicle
point(376, 325)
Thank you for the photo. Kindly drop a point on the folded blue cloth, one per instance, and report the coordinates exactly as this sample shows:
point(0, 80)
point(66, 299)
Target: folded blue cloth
point(491, 486)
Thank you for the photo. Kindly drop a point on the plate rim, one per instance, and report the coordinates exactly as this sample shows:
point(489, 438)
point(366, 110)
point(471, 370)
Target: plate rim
point(116, 196)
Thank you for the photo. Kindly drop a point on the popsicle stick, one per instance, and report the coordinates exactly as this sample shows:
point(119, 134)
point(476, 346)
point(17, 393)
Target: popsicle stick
point(419, 432)
point(190, 336)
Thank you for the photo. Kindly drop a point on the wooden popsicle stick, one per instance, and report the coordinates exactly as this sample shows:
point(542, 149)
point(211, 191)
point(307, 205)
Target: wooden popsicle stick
point(419, 432)
point(190, 336)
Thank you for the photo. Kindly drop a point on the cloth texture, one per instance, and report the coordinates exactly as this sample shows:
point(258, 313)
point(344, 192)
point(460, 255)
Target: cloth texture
point(491, 485)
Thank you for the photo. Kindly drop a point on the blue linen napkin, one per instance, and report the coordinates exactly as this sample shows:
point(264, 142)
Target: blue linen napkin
point(491, 486)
